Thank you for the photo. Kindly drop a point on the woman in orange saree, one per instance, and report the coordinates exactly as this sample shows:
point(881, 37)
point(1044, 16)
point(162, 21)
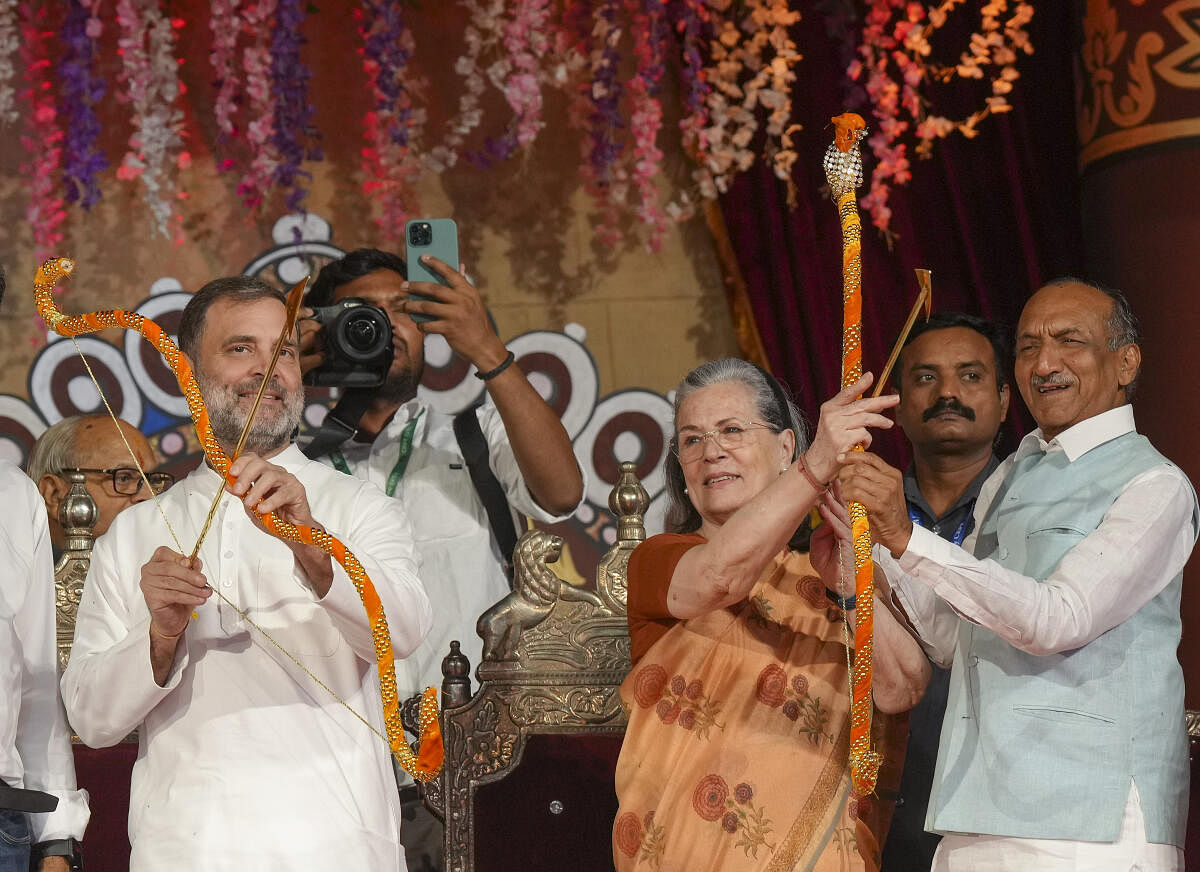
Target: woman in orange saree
point(736, 753)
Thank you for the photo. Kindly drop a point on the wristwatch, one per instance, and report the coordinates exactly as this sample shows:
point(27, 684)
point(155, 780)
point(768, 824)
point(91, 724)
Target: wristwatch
point(67, 848)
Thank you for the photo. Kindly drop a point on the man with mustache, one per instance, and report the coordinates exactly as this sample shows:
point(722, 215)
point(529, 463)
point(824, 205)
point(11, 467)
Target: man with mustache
point(245, 760)
point(951, 377)
point(411, 451)
point(1064, 745)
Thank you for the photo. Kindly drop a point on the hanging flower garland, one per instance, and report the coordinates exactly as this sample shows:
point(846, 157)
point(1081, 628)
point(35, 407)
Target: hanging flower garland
point(82, 89)
point(151, 78)
point(43, 136)
point(484, 32)
point(649, 29)
point(691, 21)
point(605, 178)
point(226, 23)
point(9, 44)
point(525, 40)
point(735, 103)
point(295, 136)
point(260, 105)
point(894, 59)
point(390, 160)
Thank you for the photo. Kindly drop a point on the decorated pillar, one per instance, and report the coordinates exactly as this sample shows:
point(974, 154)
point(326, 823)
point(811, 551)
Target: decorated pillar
point(1138, 84)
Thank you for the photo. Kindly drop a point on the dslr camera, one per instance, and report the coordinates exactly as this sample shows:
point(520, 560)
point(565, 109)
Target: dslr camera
point(357, 341)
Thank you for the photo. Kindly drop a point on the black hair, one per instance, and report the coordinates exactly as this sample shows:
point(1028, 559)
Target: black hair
point(245, 289)
point(994, 333)
point(347, 268)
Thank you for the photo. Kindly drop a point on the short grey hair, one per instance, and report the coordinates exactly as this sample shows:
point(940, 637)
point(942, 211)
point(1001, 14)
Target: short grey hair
point(771, 404)
point(54, 450)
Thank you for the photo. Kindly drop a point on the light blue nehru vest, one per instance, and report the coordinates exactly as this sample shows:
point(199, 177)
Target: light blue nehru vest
point(1045, 747)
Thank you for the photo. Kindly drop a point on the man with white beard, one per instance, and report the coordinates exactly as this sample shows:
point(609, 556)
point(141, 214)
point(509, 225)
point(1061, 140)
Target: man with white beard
point(245, 761)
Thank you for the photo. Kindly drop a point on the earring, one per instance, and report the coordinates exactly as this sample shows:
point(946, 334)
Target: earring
point(685, 490)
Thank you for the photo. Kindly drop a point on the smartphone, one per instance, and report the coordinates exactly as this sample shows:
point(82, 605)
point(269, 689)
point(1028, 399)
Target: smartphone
point(436, 236)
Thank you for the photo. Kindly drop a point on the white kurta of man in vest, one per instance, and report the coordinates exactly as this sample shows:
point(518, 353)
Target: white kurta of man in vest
point(244, 762)
point(1065, 726)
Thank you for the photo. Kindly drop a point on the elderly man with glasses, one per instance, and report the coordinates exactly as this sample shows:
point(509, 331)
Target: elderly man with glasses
point(90, 444)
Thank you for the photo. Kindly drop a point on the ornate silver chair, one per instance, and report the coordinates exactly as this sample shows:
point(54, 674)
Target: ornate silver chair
point(78, 516)
point(528, 779)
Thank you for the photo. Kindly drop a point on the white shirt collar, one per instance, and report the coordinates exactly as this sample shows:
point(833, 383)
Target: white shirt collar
point(404, 414)
point(1078, 440)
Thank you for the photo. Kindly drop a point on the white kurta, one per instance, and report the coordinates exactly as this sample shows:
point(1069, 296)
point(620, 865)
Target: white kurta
point(35, 743)
point(460, 561)
point(244, 762)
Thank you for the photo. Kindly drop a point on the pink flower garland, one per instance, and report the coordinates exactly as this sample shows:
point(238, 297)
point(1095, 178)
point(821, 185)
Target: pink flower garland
point(260, 109)
point(896, 32)
point(225, 21)
point(649, 26)
point(43, 138)
point(150, 74)
point(526, 42)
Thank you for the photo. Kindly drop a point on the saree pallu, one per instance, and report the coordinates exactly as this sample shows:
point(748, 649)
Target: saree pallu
point(735, 757)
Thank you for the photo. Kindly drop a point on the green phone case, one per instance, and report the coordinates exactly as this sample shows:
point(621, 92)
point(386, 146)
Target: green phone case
point(435, 236)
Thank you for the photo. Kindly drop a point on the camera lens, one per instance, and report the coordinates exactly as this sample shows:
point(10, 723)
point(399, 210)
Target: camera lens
point(362, 333)
point(420, 233)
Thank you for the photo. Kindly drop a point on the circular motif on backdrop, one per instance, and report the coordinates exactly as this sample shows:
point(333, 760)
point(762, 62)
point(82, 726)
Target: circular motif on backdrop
point(632, 425)
point(149, 370)
point(60, 385)
point(564, 373)
point(293, 262)
point(20, 426)
point(446, 383)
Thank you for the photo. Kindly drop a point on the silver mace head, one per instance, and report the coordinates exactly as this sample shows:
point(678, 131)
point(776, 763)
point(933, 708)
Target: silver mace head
point(843, 169)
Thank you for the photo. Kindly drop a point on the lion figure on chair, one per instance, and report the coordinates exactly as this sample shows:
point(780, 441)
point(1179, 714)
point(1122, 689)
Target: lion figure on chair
point(535, 591)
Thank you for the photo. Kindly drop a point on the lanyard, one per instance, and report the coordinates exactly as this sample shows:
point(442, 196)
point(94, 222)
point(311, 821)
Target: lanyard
point(959, 534)
point(397, 473)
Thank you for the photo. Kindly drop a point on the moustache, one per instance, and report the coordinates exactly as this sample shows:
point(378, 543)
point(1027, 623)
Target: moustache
point(1055, 378)
point(948, 404)
point(250, 386)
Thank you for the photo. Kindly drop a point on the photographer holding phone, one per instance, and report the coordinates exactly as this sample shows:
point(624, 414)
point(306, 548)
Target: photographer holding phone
point(412, 452)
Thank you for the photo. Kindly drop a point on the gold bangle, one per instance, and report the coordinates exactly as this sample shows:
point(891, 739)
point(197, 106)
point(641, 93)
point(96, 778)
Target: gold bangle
point(163, 635)
point(812, 479)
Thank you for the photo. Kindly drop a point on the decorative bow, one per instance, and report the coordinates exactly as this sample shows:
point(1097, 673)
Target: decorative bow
point(843, 170)
point(423, 766)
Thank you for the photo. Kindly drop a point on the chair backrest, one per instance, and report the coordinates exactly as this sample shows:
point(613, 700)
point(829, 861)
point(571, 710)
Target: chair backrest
point(528, 777)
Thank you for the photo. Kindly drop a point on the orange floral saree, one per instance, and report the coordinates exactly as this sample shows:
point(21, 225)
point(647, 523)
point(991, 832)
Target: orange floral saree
point(735, 757)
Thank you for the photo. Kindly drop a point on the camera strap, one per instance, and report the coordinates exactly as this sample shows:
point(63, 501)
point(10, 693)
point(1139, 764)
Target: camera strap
point(341, 423)
point(474, 449)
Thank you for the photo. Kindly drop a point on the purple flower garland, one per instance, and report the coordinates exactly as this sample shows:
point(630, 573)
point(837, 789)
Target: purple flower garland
point(81, 90)
point(294, 136)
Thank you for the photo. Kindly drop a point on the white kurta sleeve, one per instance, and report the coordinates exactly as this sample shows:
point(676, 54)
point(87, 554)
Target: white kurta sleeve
point(380, 535)
point(43, 739)
point(109, 687)
point(1141, 544)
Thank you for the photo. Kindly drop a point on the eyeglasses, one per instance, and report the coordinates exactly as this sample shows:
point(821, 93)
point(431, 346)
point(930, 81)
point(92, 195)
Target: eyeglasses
point(730, 436)
point(128, 481)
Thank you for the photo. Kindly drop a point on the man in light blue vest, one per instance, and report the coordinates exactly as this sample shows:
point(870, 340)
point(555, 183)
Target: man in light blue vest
point(1064, 744)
